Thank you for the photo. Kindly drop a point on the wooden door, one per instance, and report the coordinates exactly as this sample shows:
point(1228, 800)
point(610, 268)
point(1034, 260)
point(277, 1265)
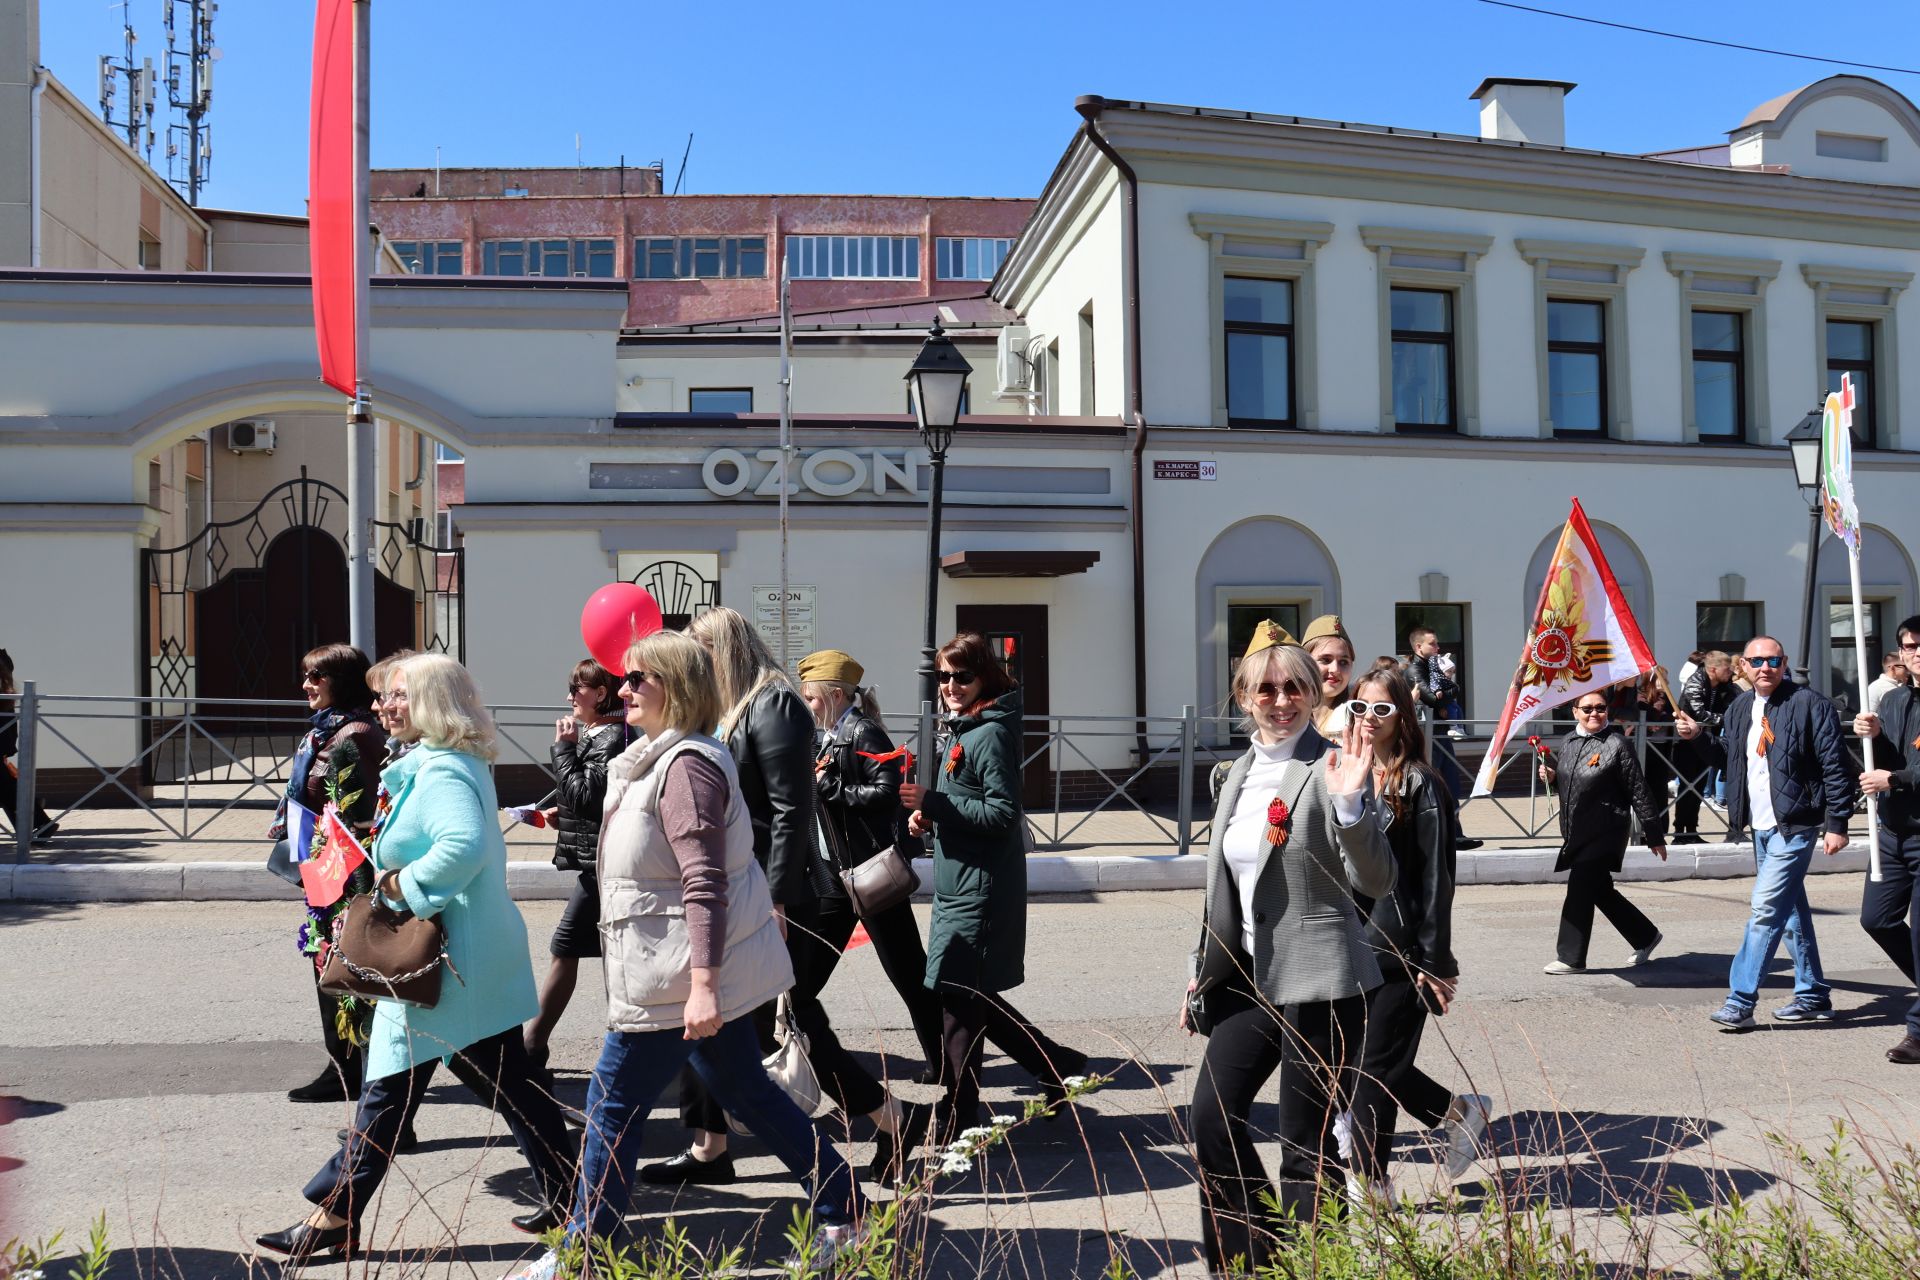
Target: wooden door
point(1018, 634)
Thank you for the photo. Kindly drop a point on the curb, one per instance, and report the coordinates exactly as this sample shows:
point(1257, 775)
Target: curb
point(1046, 875)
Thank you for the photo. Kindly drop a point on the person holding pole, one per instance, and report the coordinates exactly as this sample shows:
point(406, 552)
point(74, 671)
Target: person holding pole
point(1890, 907)
point(1788, 778)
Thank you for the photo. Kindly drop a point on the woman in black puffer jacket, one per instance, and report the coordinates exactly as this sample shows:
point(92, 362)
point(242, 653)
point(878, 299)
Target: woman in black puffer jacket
point(584, 743)
point(860, 816)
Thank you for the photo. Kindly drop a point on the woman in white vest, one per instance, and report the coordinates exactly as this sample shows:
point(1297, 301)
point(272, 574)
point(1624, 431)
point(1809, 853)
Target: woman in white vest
point(691, 948)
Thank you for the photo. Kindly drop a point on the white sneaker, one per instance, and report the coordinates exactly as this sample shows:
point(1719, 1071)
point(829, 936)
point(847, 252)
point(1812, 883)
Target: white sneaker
point(1640, 957)
point(828, 1244)
point(1343, 1136)
point(545, 1267)
point(1457, 734)
point(1560, 968)
point(1465, 1126)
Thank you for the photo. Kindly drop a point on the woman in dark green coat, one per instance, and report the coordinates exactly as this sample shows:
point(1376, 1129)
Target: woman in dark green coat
point(976, 946)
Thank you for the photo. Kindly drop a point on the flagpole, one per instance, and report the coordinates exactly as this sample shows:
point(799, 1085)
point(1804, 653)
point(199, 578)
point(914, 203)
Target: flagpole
point(362, 451)
point(786, 453)
point(1866, 744)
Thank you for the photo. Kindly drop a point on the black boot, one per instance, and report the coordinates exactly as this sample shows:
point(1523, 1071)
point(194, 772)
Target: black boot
point(341, 1080)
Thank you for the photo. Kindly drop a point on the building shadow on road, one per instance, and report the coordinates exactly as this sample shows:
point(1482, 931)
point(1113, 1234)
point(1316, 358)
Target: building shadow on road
point(1605, 1161)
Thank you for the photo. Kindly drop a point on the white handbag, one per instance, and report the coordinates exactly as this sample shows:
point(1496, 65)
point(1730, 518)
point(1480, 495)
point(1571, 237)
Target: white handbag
point(788, 1066)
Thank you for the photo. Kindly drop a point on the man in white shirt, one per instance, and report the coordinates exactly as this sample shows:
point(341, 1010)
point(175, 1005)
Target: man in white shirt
point(1893, 675)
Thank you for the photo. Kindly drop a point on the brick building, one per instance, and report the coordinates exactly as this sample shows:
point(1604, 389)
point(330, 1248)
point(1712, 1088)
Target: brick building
point(697, 258)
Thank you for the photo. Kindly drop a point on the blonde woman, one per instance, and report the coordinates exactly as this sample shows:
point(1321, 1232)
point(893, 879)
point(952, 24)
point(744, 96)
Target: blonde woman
point(439, 854)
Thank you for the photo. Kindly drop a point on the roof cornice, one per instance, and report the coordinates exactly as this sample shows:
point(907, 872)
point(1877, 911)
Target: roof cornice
point(1074, 182)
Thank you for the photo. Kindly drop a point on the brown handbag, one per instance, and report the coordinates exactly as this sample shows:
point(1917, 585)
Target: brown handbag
point(378, 953)
point(881, 883)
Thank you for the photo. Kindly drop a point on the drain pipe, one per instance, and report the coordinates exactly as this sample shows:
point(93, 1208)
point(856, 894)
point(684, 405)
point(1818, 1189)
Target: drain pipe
point(1090, 106)
point(38, 144)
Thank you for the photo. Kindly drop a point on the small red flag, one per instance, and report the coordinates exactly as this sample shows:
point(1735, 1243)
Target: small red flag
point(330, 215)
point(325, 873)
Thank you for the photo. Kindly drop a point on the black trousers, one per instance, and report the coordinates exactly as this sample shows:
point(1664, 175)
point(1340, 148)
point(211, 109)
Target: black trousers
point(500, 1074)
point(347, 1058)
point(10, 802)
point(817, 936)
point(1315, 1047)
point(1890, 910)
point(968, 1020)
point(1589, 886)
point(1696, 773)
point(1389, 1080)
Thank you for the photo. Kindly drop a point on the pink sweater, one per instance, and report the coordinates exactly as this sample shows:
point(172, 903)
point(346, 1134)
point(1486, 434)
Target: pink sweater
point(693, 813)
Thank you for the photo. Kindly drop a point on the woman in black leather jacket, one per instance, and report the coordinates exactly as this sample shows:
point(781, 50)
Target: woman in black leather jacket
point(584, 744)
point(860, 816)
point(770, 733)
point(1411, 933)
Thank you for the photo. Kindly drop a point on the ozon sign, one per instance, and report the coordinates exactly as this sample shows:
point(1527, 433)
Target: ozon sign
point(830, 473)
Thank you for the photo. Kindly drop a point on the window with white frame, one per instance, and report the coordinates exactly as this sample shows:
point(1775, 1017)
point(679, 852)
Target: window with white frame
point(1855, 331)
point(1580, 336)
point(699, 257)
point(429, 257)
point(1723, 347)
point(1260, 286)
point(550, 258)
point(853, 257)
point(969, 257)
point(1428, 342)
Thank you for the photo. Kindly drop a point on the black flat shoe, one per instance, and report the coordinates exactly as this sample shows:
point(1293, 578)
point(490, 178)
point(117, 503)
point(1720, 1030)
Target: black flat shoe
point(892, 1150)
point(326, 1087)
point(408, 1139)
point(540, 1221)
point(684, 1170)
point(303, 1241)
point(928, 1075)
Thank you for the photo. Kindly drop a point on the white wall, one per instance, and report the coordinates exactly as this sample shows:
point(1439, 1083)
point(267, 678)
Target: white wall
point(857, 377)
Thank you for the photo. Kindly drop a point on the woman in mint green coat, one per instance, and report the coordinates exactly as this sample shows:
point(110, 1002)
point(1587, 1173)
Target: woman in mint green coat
point(438, 851)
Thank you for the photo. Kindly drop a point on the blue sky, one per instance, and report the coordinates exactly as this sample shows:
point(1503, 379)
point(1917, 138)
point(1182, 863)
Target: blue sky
point(949, 99)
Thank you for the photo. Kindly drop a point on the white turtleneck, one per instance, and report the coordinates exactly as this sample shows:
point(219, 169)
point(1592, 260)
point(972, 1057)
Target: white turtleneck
point(1245, 841)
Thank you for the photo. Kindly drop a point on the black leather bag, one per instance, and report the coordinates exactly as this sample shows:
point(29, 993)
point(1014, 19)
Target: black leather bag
point(881, 883)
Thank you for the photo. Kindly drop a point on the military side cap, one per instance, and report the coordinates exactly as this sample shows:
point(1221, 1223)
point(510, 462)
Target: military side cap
point(831, 664)
point(1267, 634)
point(1325, 627)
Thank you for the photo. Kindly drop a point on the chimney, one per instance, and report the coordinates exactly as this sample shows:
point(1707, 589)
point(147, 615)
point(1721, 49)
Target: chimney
point(1524, 110)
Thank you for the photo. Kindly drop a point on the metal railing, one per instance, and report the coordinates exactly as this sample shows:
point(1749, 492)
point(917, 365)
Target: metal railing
point(189, 767)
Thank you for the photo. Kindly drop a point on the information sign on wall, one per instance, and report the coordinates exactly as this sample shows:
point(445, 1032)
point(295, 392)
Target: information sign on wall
point(800, 621)
point(1185, 469)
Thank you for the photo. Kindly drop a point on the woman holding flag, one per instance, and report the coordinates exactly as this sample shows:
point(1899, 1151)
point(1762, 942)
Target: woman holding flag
point(337, 762)
point(439, 854)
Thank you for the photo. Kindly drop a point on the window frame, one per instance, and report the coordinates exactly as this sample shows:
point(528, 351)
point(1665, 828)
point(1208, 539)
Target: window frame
point(1737, 361)
point(1264, 249)
point(945, 246)
point(1447, 339)
point(846, 253)
point(1577, 271)
point(1463, 667)
point(1566, 346)
point(435, 252)
point(1228, 328)
point(1863, 294)
point(1410, 258)
point(1870, 366)
point(1716, 282)
point(1759, 608)
point(698, 391)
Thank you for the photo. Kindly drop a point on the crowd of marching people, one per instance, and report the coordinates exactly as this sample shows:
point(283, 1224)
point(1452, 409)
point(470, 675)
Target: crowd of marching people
point(731, 827)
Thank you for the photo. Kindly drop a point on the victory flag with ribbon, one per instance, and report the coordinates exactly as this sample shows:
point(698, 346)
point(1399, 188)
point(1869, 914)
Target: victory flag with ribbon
point(1583, 637)
point(325, 874)
point(1836, 465)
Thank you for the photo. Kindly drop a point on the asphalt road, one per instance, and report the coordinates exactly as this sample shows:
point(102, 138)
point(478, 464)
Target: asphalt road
point(148, 1048)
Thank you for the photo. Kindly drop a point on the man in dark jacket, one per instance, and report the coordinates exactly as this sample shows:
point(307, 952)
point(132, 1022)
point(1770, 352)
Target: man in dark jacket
point(1601, 791)
point(1706, 695)
point(1891, 903)
point(1789, 779)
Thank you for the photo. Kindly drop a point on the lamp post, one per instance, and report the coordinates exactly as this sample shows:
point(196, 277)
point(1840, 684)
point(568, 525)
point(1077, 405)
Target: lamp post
point(1806, 442)
point(937, 383)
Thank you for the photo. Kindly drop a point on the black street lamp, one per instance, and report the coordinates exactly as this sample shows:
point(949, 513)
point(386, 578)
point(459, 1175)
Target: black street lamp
point(1805, 443)
point(937, 383)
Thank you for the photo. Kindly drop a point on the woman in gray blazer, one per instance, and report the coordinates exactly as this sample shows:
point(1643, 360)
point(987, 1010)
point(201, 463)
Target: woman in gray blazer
point(1281, 973)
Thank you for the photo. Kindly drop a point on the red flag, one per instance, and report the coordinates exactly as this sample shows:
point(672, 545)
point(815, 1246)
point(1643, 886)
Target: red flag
point(1583, 637)
point(331, 231)
point(325, 873)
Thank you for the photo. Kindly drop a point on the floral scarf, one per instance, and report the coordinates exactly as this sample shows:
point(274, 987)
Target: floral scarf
point(325, 723)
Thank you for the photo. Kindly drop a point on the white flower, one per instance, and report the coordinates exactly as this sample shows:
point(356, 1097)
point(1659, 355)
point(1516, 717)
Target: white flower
point(1002, 1122)
point(1074, 1082)
point(955, 1162)
point(974, 1134)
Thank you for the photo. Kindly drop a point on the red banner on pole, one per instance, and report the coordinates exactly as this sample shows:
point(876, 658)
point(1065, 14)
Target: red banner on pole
point(331, 231)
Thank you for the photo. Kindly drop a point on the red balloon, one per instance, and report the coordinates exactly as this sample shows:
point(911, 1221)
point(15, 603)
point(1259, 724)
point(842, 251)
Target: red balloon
point(615, 616)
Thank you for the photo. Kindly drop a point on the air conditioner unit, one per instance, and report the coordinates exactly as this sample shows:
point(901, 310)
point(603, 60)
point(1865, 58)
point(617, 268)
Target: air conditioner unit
point(1013, 372)
point(251, 435)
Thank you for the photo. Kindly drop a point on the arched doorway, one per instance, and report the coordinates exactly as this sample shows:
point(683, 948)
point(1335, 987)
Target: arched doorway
point(1888, 593)
point(1264, 567)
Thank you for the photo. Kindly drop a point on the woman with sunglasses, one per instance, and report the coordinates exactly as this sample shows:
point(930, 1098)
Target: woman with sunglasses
point(585, 742)
point(977, 941)
point(1411, 932)
point(1601, 790)
point(1331, 649)
point(1281, 972)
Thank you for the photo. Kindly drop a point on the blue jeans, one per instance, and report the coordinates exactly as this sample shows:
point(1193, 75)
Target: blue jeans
point(1780, 910)
point(635, 1068)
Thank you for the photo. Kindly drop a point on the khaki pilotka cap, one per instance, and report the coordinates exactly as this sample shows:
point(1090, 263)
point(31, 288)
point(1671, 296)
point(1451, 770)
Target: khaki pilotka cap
point(1325, 627)
point(1267, 634)
point(831, 664)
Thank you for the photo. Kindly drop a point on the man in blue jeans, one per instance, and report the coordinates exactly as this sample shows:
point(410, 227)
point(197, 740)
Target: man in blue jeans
point(1789, 780)
point(1890, 907)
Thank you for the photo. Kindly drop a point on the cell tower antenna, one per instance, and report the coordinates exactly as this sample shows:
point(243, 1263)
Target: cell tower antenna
point(681, 176)
point(190, 58)
point(138, 114)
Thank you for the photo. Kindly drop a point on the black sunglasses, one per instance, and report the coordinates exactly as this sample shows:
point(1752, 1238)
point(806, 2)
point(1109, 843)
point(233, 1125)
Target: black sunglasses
point(1771, 660)
point(1379, 710)
point(1596, 709)
point(1268, 689)
point(956, 677)
point(634, 679)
